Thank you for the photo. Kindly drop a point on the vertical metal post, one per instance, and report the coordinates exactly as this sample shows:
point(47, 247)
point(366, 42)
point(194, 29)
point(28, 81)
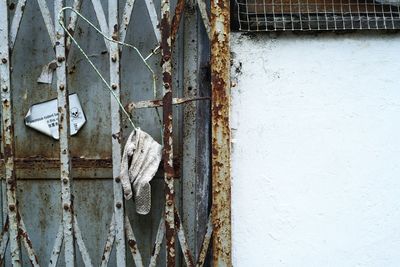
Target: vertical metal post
point(8, 134)
point(116, 133)
point(221, 138)
point(64, 132)
point(165, 27)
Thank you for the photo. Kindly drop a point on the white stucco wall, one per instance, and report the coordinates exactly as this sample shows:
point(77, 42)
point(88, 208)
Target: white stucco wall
point(316, 150)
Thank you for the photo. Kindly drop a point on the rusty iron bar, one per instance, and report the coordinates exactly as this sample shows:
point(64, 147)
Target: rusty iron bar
point(132, 243)
point(44, 9)
point(204, 16)
point(176, 20)
point(73, 21)
point(151, 9)
point(101, 18)
point(23, 234)
point(126, 18)
point(157, 244)
point(16, 21)
point(116, 132)
point(81, 245)
point(109, 244)
point(55, 253)
point(221, 136)
point(206, 243)
point(159, 103)
point(8, 134)
point(166, 53)
point(187, 255)
point(4, 241)
point(64, 129)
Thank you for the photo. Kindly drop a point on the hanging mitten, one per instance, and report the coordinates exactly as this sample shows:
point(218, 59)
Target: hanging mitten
point(140, 161)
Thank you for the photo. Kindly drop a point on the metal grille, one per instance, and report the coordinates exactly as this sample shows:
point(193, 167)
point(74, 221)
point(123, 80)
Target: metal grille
point(70, 241)
point(303, 15)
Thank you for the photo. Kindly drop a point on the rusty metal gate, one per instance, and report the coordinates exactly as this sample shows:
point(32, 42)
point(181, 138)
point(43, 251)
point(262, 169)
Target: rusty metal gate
point(62, 200)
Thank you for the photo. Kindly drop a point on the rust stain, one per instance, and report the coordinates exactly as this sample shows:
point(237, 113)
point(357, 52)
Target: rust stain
point(115, 33)
point(177, 19)
point(133, 245)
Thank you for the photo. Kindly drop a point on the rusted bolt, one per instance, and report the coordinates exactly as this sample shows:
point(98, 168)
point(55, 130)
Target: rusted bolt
point(60, 59)
point(114, 86)
point(4, 60)
point(4, 88)
point(113, 58)
point(166, 85)
point(169, 178)
point(117, 180)
point(11, 207)
point(118, 205)
point(65, 180)
point(66, 207)
point(61, 87)
point(169, 203)
point(10, 181)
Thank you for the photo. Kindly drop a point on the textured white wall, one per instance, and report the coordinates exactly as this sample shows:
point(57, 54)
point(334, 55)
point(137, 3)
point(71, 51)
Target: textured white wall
point(316, 152)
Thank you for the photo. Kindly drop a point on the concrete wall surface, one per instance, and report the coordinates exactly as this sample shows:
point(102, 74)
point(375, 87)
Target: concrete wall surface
point(316, 150)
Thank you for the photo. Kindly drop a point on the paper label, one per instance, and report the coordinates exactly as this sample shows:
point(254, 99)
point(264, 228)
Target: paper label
point(43, 117)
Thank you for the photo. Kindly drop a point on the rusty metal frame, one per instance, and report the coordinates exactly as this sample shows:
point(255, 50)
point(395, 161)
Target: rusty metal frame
point(121, 232)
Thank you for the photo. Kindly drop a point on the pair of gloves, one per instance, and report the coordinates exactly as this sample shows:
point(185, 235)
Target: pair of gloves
point(140, 161)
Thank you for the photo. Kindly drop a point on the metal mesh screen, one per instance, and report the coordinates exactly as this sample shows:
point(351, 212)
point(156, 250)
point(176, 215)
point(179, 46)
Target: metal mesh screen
point(303, 15)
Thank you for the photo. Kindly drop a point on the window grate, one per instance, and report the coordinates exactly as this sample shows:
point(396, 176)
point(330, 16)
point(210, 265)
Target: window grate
point(316, 15)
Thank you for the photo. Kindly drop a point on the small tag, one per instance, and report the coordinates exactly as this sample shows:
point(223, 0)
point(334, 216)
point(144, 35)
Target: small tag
point(43, 117)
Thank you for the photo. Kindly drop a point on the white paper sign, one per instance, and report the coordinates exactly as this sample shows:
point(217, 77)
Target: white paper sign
point(43, 117)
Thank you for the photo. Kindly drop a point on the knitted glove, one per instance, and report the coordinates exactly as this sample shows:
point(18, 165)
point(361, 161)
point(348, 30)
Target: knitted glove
point(140, 161)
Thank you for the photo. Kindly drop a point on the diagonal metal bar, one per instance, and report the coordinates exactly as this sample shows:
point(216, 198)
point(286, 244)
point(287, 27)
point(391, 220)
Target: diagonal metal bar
point(187, 255)
point(16, 21)
point(4, 241)
point(63, 126)
point(132, 243)
point(27, 243)
point(206, 243)
point(44, 9)
point(73, 20)
point(55, 253)
point(151, 9)
point(81, 244)
point(8, 134)
point(168, 154)
point(157, 243)
point(176, 20)
point(126, 19)
point(101, 18)
point(159, 103)
point(109, 243)
point(116, 133)
point(204, 16)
